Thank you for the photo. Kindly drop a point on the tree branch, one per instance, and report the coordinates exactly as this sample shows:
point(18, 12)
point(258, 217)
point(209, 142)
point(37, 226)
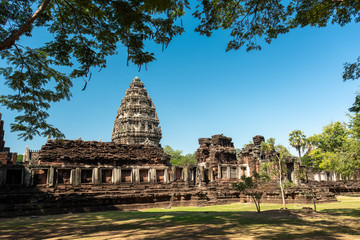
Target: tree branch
point(15, 36)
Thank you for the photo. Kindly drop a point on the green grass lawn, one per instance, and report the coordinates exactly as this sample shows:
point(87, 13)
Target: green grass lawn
point(338, 220)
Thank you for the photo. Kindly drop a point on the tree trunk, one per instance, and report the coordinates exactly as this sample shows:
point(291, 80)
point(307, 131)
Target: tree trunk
point(300, 158)
point(281, 186)
point(15, 36)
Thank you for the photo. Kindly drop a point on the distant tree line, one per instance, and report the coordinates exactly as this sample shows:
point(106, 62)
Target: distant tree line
point(336, 148)
point(177, 159)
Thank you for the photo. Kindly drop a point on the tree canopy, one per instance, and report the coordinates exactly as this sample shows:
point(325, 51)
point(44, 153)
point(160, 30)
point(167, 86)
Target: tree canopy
point(177, 159)
point(337, 148)
point(85, 32)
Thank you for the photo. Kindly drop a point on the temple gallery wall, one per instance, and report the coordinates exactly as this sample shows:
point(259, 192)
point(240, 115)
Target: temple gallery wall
point(132, 171)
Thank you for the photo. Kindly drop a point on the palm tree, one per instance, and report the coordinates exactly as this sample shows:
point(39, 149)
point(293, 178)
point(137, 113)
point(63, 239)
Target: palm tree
point(297, 139)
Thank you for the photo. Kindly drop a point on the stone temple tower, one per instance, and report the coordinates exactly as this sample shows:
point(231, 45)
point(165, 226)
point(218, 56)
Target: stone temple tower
point(136, 121)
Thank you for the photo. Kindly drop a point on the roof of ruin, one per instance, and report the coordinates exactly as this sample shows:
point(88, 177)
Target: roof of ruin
point(78, 151)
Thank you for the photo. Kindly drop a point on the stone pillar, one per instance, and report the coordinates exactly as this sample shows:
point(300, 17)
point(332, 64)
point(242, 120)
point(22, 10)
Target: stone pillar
point(51, 177)
point(166, 175)
point(238, 172)
point(2, 176)
point(202, 180)
point(96, 177)
point(186, 175)
point(247, 170)
point(211, 174)
point(228, 172)
point(136, 175)
point(116, 176)
point(173, 174)
point(27, 176)
point(152, 173)
point(77, 177)
point(219, 172)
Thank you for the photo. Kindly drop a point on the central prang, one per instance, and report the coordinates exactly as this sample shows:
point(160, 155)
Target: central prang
point(136, 121)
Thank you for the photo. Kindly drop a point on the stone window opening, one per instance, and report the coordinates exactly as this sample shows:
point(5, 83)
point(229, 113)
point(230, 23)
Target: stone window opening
point(14, 176)
point(144, 175)
point(86, 175)
point(233, 172)
point(106, 175)
point(40, 176)
point(160, 177)
point(126, 176)
point(64, 176)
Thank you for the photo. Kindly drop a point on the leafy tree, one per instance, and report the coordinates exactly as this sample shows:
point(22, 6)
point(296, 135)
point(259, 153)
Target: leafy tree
point(337, 148)
point(177, 159)
point(252, 186)
point(278, 155)
point(19, 158)
point(297, 140)
point(83, 33)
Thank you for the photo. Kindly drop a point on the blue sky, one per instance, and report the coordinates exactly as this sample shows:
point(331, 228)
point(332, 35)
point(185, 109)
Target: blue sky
point(200, 90)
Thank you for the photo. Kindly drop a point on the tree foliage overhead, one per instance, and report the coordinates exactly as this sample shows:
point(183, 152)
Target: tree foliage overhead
point(83, 34)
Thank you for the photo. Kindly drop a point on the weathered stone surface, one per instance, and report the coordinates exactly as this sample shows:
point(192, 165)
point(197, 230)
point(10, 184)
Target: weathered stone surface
point(217, 149)
point(258, 139)
point(136, 121)
point(93, 152)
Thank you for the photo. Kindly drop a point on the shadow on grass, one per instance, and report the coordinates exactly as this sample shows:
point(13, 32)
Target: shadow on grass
point(343, 212)
point(272, 224)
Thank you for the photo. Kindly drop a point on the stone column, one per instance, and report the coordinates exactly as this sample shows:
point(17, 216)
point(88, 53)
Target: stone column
point(116, 175)
point(2, 176)
point(136, 175)
point(219, 172)
point(51, 177)
point(211, 174)
point(173, 174)
point(27, 176)
point(76, 176)
point(166, 175)
point(202, 180)
point(186, 175)
point(228, 172)
point(152, 173)
point(96, 178)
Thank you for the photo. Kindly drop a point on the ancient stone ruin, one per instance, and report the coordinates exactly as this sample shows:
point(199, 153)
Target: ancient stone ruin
point(132, 171)
point(6, 157)
point(136, 121)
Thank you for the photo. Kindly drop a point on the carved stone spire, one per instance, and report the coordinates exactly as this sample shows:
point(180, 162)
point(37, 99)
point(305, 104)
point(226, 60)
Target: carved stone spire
point(136, 121)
